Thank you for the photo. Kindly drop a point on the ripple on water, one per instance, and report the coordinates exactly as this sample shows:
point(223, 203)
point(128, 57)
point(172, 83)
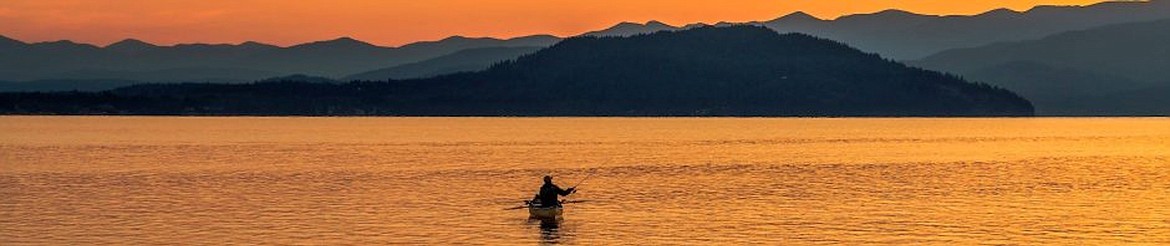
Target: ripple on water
point(698, 182)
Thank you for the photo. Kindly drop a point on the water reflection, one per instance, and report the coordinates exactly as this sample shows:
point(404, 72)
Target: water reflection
point(371, 181)
point(551, 231)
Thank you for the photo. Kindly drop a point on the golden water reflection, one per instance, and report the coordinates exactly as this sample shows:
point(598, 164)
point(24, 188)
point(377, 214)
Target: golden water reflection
point(168, 180)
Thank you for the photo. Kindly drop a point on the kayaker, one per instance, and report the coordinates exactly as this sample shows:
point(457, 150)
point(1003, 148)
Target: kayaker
point(549, 192)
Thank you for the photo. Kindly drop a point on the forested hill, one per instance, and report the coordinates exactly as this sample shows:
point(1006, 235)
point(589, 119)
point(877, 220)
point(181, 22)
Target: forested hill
point(737, 70)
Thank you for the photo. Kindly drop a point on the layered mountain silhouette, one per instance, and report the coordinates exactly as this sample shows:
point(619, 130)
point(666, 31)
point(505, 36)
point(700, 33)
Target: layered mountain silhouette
point(482, 58)
point(1147, 101)
point(137, 60)
point(736, 70)
point(1062, 72)
point(461, 61)
point(133, 59)
point(10, 44)
point(903, 35)
point(626, 29)
point(906, 36)
point(894, 34)
point(64, 85)
point(65, 62)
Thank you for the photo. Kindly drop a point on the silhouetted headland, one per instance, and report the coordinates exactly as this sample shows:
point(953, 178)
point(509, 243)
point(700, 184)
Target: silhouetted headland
point(707, 71)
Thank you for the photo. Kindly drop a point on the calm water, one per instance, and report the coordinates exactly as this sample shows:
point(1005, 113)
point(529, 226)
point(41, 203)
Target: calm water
point(161, 180)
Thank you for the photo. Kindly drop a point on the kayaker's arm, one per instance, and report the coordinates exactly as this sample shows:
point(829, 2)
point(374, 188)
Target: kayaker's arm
point(564, 192)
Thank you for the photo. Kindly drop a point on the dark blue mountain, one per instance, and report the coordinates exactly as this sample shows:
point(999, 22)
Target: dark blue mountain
point(136, 60)
point(893, 34)
point(468, 60)
point(626, 29)
point(705, 71)
point(1054, 70)
point(906, 36)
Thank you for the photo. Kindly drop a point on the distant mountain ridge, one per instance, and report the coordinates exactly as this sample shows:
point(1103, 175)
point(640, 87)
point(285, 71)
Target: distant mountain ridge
point(626, 29)
point(903, 35)
point(135, 59)
point(705, 71)
point(468, 60)
point(8, 43)
point(481, 58)
point(894, 34)
point(1061, 72)
point(64, 85)
point(131, 46)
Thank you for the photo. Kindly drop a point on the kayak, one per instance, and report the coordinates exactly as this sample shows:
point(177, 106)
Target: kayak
point(546, 212)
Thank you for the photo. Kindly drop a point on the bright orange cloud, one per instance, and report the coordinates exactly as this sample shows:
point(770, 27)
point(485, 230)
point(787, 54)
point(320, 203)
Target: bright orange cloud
point(395, 22)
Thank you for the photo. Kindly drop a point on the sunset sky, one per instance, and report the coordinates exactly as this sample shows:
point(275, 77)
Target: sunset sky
point(395, 22)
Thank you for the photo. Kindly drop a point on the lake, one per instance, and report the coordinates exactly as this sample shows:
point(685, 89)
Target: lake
point(289, 180)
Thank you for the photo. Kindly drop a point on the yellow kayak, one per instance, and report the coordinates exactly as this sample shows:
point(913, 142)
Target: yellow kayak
point(545, 213)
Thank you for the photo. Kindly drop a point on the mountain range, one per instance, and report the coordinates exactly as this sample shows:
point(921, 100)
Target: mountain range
point(460, 61)
point(1105, 58)
point(893, 34)
point(249, 61)
point(1075, 73)
point(903, 35)
point(703, 71)
point(626, 29)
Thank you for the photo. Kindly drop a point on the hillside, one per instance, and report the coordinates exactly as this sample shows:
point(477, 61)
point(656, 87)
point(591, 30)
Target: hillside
point(64, 85)
point(1084, 63)
point(1147, 101)
point(481, 58)
point(626, 29)
point(895, 34)
point(462, 61)
point(1138, 51)
point(903, 35)
point(737, 70)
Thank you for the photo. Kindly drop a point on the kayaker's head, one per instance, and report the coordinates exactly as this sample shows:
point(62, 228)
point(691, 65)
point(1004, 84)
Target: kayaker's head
point(548, 179)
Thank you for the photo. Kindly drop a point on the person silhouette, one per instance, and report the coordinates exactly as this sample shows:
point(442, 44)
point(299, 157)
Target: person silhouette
point(549, 193)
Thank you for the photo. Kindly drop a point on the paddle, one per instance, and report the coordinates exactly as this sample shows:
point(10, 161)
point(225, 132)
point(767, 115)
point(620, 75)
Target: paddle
point(526, 203)
point(526, 206)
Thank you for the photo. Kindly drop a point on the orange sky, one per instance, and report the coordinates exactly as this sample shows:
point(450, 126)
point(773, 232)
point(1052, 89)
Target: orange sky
point(395, 22)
